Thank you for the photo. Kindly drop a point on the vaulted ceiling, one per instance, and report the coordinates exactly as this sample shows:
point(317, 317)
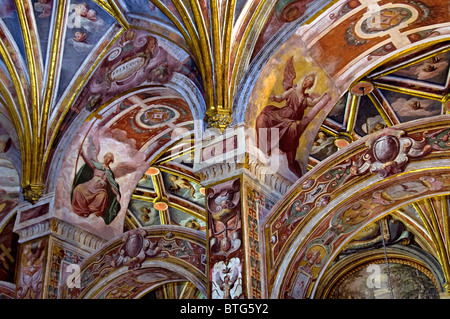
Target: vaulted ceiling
point(51, 51)
point(70, 67)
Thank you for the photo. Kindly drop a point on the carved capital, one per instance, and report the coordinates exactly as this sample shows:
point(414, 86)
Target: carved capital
point(219, 118)
point(33, 192)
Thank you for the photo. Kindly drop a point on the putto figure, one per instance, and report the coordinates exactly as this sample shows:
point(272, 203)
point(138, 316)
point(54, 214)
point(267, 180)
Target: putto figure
point(81, 16)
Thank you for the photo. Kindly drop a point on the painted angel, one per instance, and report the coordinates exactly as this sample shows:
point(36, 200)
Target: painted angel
point(95, 188)
point(79, 42)
point(81, 16)
point(290, 120)
point(228, 282)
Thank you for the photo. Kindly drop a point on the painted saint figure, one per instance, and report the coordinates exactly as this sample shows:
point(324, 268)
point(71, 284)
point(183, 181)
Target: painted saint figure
point(290, 120)
point(96, 190)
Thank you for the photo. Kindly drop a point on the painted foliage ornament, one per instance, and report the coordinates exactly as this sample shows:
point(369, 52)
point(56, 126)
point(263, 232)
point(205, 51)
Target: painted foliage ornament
point(223, 204)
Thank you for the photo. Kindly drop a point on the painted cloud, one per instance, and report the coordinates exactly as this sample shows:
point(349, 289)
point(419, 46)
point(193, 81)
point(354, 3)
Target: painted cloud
point(414, 108)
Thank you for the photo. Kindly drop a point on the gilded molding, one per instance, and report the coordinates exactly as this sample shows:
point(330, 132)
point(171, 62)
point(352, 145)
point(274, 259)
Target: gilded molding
point(67, 102)
point(431, 96)
point(410, 62)
point(427, 213)
point(194, 40)
point(250, 33)
point(21, 120)
point(226, 49)
point(33, 192)
point(35, 70)
point(48, 97)
point(219, 118)
point(189, 34)
point(117, 14)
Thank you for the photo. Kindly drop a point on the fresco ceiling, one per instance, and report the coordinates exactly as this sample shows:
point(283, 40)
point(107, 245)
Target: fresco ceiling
point(112, 64)
point(169, 193)
point(404, 90)
point(127, 74)
point(60, 67)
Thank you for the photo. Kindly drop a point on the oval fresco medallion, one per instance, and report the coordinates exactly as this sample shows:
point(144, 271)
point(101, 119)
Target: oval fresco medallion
point(385, 20)
point(156, 116)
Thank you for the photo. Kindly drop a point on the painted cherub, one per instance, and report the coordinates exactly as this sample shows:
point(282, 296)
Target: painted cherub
point(192, 223)
point(44, 7)
point(80, 36)
point(79, 42)
point(81, 16)
point(148, 216)
point(181, 183)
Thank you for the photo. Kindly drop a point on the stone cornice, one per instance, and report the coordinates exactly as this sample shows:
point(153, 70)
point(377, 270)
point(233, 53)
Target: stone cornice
point(271, 181)
point(234, 153)
point(63, 231)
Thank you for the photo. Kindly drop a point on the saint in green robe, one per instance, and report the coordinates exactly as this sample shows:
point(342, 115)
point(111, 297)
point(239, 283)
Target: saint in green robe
point(93, 192)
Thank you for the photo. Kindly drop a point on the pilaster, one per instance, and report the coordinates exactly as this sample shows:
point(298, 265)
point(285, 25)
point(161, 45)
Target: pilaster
point(240, 190)
point(50, 250)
